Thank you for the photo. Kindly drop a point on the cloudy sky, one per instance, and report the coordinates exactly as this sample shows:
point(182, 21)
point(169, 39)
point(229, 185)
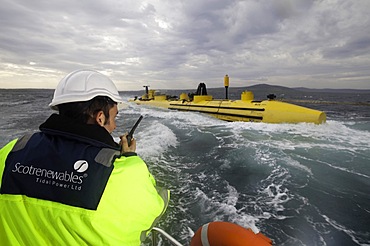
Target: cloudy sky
point(175, 44)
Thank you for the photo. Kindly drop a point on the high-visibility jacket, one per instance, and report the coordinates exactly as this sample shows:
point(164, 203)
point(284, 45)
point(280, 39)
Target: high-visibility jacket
point(57, 189)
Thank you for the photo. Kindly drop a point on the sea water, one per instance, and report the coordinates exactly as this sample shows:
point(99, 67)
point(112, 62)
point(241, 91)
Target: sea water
point(299, 184)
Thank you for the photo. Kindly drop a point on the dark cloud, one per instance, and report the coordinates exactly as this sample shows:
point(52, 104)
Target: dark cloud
point(177, 43)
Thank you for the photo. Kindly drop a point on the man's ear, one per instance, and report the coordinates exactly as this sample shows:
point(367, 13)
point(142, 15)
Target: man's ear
point(100, 118)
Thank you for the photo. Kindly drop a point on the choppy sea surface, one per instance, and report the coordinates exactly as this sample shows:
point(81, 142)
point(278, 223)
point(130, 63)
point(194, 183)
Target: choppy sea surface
point(299, 184)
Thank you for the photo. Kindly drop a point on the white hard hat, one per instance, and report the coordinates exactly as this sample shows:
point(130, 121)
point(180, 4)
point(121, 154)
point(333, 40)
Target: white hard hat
point(84, 85)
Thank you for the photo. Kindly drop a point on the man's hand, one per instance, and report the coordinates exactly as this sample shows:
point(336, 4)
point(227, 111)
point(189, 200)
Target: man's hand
point(124, 145)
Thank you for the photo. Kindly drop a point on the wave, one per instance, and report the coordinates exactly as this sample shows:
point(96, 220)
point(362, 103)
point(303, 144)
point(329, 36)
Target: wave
point(13, 103)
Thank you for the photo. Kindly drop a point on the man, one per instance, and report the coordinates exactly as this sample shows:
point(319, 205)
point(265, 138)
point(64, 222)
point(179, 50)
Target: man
point(70, 183)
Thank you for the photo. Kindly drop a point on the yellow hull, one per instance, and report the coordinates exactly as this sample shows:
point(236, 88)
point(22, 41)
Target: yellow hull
point(268, 111)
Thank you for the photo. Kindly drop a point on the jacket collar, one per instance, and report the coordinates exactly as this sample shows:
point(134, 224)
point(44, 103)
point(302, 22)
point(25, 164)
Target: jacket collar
point(64, 126)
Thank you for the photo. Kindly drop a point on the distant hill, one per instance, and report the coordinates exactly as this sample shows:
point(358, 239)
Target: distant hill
point(277, 88)
point(267, 87)
point(333, 90)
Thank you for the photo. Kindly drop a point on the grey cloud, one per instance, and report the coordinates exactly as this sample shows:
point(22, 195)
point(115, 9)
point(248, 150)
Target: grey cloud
point(358, 46)
point(190, 40)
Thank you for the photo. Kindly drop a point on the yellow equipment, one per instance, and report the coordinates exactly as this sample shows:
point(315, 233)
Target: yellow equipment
point(245, 109)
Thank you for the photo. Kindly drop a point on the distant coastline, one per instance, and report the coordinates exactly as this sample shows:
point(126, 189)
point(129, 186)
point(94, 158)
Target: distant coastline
point(251, 88)
point(266, 87)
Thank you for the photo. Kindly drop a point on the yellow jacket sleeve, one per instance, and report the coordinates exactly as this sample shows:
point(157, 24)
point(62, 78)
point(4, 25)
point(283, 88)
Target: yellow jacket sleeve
point(131, 202)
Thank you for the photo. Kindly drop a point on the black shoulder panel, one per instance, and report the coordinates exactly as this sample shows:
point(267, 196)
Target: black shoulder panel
point(57, 169)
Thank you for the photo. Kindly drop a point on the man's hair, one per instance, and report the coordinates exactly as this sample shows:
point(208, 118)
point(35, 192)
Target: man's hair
point(81, 112)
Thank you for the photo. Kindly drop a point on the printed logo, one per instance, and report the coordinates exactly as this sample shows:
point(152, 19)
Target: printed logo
point(62, 179)
point(81, 166)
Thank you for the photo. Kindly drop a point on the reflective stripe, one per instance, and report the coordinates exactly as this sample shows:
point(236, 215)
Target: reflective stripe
point(204, 236)
point(21, 143)
point(106, 156)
